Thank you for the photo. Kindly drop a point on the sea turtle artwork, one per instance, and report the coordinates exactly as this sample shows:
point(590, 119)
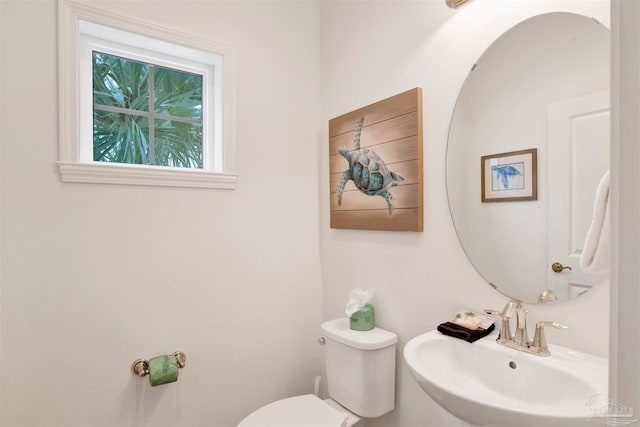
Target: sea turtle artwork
point(504, 172)
point(367, 170)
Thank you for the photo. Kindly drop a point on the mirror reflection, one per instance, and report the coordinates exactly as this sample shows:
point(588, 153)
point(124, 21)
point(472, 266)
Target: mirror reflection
point(542, 87)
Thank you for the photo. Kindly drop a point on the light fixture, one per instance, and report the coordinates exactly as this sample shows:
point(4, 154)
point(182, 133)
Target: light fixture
point(455, 3)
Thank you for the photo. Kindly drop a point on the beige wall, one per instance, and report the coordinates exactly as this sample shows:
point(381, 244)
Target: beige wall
point(95, 276)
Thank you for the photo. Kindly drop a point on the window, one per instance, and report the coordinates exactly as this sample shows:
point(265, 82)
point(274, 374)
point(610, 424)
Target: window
point(145, 114)
point(143, 105)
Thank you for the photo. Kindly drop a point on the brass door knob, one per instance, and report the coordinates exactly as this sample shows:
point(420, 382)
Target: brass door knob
point(557, 267)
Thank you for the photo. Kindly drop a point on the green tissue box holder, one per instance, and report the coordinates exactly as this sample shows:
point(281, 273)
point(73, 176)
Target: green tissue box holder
point(363, 319)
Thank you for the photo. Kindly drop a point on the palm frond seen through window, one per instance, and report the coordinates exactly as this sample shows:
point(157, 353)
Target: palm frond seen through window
point(146, 114)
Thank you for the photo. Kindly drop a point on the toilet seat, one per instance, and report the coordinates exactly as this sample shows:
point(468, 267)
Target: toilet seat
point(299, 411)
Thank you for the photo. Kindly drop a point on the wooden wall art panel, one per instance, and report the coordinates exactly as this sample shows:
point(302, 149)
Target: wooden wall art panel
point(375, 165)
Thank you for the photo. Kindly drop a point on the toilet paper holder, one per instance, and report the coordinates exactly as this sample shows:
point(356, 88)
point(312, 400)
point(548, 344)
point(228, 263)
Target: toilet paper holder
point(140, 367)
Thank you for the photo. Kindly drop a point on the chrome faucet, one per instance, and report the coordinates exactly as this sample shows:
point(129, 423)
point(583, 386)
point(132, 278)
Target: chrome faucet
point(521, 338)
point(520, 341)
point(540, 340)
point(505, 330)
point(547, 296)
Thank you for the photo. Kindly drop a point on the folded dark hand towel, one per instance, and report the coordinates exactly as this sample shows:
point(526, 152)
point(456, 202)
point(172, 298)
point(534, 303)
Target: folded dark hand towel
point(461, 332)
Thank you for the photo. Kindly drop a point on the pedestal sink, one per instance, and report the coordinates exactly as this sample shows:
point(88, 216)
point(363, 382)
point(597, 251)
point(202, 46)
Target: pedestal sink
point(485, 383)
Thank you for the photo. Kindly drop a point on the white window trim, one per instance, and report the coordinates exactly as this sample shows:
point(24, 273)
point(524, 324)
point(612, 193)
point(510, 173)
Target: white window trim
point(94, 37)
point(74, 168)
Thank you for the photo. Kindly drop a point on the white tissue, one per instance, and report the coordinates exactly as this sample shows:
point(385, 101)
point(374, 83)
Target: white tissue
point(358, 298)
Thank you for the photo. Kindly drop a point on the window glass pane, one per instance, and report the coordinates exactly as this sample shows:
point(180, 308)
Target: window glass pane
point(119, 82)
point(178, 144)
point(120, 138)
point(122, 116)
point(178, 93)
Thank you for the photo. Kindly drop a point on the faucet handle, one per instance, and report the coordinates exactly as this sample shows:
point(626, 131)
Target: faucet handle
point(508, 311)
point(540, 340)
point(492, 312)
point(521, 337)
point(505, 329)
point(547, 296)
point(545, 323)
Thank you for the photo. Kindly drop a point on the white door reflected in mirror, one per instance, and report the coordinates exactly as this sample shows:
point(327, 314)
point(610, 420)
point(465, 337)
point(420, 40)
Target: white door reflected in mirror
point(578, 158)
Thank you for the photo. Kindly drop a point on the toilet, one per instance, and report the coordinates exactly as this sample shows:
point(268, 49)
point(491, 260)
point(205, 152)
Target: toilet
point(360, 367)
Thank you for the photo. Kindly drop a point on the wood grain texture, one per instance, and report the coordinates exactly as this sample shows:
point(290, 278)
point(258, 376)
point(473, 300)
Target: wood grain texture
point(382, 110)
point(405, 197)
point(401, 220)
point(402, 150)
point(392, 128)
point(374, 134)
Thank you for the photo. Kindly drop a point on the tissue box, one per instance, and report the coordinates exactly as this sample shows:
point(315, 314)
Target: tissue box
point(363, 319)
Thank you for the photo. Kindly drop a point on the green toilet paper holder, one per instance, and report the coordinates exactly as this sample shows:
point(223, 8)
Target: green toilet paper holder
point(140, 367)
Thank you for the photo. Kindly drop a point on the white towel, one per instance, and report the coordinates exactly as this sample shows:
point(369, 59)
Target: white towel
point(596, 252)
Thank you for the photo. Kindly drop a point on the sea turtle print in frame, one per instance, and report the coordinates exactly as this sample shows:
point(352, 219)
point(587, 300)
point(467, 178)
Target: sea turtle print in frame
point(375, 161)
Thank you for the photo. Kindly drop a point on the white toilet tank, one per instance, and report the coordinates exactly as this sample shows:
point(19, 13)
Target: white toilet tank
point(361, 367)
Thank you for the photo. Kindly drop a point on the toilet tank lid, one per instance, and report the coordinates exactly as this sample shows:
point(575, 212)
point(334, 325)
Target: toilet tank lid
point(340, 330)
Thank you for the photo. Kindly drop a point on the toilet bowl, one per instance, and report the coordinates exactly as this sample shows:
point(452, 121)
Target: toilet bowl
point(360, 367)
point(302, 411)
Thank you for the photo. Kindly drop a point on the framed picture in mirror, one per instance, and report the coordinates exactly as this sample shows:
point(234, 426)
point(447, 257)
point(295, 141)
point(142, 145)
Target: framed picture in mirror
point(510, 177)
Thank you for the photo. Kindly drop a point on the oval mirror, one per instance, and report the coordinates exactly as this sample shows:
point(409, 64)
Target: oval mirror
point(536, 99)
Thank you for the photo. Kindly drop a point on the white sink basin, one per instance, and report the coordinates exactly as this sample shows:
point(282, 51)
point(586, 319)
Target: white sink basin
point(485, 383)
